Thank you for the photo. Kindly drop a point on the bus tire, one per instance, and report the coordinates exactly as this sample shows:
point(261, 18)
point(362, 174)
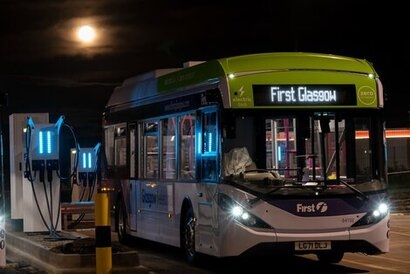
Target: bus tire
point(188, 237)
point(332, 257)
point(121, 222)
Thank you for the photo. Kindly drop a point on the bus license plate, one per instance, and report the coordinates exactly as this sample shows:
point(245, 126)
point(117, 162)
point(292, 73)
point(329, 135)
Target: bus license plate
point(321, 245)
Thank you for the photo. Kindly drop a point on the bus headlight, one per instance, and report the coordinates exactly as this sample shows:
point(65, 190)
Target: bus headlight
point(239, 213)
point(374, 216)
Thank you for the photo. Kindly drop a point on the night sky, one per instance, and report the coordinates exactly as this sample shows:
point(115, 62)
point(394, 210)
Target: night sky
point(44, 68)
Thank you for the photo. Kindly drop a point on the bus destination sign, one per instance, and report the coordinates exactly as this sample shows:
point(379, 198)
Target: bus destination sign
point(304, 95)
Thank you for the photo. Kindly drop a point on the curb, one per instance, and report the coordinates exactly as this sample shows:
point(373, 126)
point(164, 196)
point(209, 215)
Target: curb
point(20, 248)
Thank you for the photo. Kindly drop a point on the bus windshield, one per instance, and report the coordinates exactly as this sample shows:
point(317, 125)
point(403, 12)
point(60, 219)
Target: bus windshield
point(326, 151)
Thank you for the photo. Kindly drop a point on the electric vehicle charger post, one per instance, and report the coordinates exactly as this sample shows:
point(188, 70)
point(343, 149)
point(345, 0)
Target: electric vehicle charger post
point(85, 177)
point(42, 156)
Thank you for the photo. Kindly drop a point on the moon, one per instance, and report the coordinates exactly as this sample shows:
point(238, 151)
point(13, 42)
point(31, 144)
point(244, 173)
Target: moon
point(86, 34)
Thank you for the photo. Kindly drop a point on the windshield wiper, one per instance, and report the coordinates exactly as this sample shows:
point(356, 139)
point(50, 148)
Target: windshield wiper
point(261, 197)
point(361, 194)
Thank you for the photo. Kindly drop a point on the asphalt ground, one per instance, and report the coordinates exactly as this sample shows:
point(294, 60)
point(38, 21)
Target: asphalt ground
point(400, 204)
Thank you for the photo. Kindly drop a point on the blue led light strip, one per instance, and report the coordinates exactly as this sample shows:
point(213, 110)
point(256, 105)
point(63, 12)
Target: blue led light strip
point(89, 159)
point(40, 143)
point(49, 145)
point(84, 160)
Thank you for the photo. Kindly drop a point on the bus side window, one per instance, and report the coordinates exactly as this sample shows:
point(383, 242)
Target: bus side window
point(120, 151)
point(168, 148)
point(150, 145)
point(109, 145)
point(209, 169)
point(132, 132)
point(187, 146)
point(120, 148)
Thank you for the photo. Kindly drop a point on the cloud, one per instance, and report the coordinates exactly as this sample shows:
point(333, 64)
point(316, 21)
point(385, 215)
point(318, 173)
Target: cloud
point(47, 28)
point(132, 36)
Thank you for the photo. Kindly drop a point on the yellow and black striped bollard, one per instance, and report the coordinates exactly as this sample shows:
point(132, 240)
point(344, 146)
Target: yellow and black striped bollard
point(103, 247)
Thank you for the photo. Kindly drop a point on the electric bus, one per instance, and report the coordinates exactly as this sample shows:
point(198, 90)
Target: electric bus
point(253, 154)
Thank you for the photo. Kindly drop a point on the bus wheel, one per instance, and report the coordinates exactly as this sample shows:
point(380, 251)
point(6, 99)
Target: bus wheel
point(188, 237)
point(332, 257)
point(121, 223)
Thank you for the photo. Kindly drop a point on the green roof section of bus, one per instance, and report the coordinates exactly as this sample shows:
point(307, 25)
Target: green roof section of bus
point(295, 61)
point(267, 68)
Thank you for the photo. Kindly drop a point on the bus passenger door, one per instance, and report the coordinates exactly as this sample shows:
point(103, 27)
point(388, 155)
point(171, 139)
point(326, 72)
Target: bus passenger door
point(158, 170)
point(148, 171)
point(208, 175)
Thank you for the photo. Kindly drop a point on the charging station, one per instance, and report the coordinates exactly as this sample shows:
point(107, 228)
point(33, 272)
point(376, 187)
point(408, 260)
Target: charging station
point(38, 204)
point(84, 187)
point(20, 189)
point(42, 165)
